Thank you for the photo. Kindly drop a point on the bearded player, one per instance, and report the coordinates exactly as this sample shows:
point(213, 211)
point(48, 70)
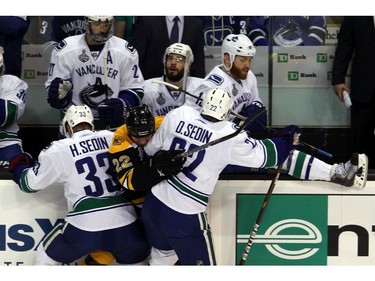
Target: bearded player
point(161, 98)
point(235, 76)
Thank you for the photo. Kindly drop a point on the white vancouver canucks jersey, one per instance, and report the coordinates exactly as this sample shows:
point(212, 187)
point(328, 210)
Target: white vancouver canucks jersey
point(184, 128)
point(14, 92)
point(161, 100)
point(243, 92)
point(72, 59)
point(81, 165)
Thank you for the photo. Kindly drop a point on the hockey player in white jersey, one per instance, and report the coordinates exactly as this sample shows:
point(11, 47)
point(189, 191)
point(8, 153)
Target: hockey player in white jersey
point(96, 69)
point(235, 76)
point(160, 98)
point(174, 211)
point(99, 216)
point(13, 97)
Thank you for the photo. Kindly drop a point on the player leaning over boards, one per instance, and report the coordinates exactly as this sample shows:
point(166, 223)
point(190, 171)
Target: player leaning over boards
point(136, 172)
point(236, 77)
point(98, 70)
point(174, 212)
point(99, 215)
point(177, 61)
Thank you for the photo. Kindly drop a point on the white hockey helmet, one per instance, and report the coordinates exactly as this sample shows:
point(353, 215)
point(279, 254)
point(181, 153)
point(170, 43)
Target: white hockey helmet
point(237, 45)
point(2, 66)
point(180, 49)
point(77, 114)
point(105, 19)
point(217, 103)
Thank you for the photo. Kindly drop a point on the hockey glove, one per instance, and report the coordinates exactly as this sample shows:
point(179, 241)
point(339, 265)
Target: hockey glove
point(292, 132)
point(19, 163)
point(165, 162)
point(131, 97)
point(286, 140)
point(112, 110)
point(59, 93)
point(260, 122)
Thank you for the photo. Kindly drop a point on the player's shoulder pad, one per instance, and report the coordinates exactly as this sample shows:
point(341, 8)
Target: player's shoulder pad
point(130, 48)
point(61, 46)
point(216, 79)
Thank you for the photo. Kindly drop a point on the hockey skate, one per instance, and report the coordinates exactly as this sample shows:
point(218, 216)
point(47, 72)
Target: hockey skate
point(353, 172)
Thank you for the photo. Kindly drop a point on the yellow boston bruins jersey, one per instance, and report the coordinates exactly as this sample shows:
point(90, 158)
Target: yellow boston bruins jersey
point(130, 165)
point(125, 156)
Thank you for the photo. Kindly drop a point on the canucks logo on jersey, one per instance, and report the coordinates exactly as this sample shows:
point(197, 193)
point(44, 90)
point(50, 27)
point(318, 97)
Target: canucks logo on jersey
point(92, 95)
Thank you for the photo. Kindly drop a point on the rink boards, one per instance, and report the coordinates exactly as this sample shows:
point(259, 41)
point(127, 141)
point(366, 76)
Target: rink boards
point(304, 223)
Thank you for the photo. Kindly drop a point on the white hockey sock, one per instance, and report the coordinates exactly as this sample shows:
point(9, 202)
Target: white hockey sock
point(307, 167)
point(42, 258)
point(162, 257)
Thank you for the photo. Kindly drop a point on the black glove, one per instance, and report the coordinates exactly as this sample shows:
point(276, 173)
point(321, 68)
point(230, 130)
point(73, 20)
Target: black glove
point(166, 163)
point(112, 110)
point(59, 93)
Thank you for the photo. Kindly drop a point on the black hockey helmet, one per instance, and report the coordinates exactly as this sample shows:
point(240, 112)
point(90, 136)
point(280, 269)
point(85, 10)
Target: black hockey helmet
point(140, 121)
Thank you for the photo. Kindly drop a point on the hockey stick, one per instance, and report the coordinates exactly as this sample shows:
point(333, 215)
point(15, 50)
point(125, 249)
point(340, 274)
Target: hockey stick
point(250, 119)
point(189, 94)
point(105, 78)
point(176, 88)
point(249, 243)
point(186, 71)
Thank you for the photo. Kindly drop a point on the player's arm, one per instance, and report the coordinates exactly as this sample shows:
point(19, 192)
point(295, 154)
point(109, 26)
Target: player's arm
point(140, 174)
point(131, 89)
point(8, 113)
point(14, 103)
point(33, 175)
point(59, 84)
point(132, 82)
point(278, 147)
point(133, 172)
